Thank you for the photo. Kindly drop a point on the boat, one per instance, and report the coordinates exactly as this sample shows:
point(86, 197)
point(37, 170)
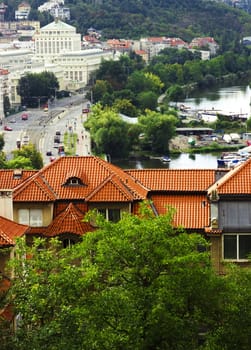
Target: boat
point(232, 159)
point(165, 159)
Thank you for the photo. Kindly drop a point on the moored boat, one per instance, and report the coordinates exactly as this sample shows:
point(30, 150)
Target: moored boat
point(165, 159)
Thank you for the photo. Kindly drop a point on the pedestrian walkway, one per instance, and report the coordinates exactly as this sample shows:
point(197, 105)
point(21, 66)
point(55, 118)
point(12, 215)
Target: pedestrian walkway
point(83, 146)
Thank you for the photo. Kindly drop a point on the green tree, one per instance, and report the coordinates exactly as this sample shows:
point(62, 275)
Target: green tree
point(2, 143)
point(109, 132)
point(158, 130)
point(175, 93)
point(27, 157)
point(137, 284)
point(248, 124)
point(126, 107)
point(147, 100)
point(100, 88)
point(6, 104)
point(37, 86)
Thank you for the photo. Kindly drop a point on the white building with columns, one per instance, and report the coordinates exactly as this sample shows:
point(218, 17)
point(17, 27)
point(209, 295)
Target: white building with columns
point(57, 49)
point(58, 43)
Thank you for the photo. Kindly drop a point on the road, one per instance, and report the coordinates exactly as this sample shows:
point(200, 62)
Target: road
point(63, 115)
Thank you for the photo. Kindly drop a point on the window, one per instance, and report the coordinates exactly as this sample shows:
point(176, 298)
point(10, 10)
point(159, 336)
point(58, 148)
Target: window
point(31, 217)
point(67, 243)
point(110, 214)
point(236, 246)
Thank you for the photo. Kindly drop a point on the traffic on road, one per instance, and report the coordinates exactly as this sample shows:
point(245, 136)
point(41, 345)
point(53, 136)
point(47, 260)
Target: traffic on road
point(47, 130)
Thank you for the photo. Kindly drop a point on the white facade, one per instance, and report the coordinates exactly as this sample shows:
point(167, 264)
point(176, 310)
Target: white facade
point(78, 66)
point(54, 39)
point(59, 44)
point(20, 62)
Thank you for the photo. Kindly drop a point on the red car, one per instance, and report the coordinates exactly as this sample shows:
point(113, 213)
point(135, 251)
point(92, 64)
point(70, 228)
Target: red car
point(25, 116)
point(7, 128)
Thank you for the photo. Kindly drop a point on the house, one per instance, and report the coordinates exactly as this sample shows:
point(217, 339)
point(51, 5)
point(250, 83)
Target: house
point(53, 201)
point(23, 11)
point(230, 226)
point(203, 42)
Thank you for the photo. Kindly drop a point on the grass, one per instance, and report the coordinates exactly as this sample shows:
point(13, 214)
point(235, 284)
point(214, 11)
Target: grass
point(70, 143)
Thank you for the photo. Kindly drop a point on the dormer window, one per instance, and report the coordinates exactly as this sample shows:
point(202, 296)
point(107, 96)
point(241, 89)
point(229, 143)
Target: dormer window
point(74, 181)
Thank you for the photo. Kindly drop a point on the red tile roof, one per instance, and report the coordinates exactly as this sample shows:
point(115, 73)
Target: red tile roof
point(236, 181)
point(192, 211)
point(9, 178)
point(49, 183)
point(180, 180)
point(69, 221)
point(9, 231)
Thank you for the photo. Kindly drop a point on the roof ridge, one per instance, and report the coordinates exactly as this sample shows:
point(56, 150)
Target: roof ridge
point(228, 176)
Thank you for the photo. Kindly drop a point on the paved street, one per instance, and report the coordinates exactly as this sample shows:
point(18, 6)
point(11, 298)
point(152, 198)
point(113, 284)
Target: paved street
point(41, 127)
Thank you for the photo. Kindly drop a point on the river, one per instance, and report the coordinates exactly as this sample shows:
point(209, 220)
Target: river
point(230, 99)
point(182, 161)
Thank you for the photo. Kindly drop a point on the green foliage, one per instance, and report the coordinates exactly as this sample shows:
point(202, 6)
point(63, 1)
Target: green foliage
point(27, 157)
point(175, 93)
point(147, 100)
point(135, 284)
point(131, 285)
point(109, 133)
point(6, 104)
point(126, 107)
point(37, 86)
point(158, 130)
point(1, 142)
point(248, 124)
point(100, 88)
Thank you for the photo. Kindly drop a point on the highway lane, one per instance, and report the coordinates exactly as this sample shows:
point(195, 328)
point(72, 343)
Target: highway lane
point(41, 127)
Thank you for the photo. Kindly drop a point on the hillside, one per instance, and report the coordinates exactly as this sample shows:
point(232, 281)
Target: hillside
point(134, 19)
point(183, 18)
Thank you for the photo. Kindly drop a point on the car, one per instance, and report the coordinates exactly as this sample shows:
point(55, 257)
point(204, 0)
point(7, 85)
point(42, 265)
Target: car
point(57, 139)
point(85, 110)
point(13, 120)
point(24, 116)
point(45, 109)
point(52, 159)
point(58, 132)
point(7, 128)
point(49, 153)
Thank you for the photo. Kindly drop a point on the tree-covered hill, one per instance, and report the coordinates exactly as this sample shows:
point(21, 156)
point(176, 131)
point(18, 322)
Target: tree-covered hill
point(183, 18)
point(138, 18)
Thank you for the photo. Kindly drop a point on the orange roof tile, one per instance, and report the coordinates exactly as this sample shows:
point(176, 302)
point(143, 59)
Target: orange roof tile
point(49, 183)
point(191, 210)
point(189, 180)
point(236, 181)
point(112, 190)
point(69, 221)
point(9, 230)
point(8, 180)
point(36, 185)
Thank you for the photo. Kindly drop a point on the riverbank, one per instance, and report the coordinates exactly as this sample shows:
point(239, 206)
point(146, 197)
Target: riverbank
point(180, 144)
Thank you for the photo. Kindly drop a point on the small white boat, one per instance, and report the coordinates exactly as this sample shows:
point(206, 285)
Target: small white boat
point(165, 159)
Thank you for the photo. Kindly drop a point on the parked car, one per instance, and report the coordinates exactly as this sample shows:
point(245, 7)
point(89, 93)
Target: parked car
point(49, 153)
point(57, 139)
point(61, 150)
point(52, 159)
point(58, 132)
point(7, 128)
point(24, 116)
